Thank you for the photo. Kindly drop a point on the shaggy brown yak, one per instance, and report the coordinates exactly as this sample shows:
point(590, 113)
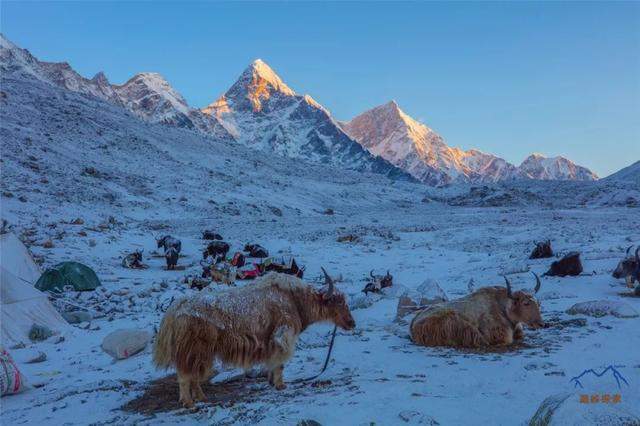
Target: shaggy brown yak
point(242, 327)
point(489, 316)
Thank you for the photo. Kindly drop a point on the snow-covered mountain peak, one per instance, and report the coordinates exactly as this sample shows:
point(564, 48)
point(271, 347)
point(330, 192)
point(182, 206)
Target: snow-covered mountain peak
point(261, 111)
point(537, 166)
point(147, 88)
point(100, 78)
point(256, 88)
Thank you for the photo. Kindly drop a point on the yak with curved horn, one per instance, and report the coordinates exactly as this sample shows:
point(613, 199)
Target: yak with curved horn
point(243, 327)
point(378, 282)
point(489, 316)
point(628, 267)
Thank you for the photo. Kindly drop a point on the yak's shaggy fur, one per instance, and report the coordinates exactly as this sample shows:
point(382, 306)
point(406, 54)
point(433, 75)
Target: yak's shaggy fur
point(486, 317)
point(242, 327)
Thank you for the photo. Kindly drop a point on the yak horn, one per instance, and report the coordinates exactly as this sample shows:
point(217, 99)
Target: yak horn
point(388, 274)
point(628, 250)
point(508, 286)
point(538, 283)
point(371, 274)
point(328, 280)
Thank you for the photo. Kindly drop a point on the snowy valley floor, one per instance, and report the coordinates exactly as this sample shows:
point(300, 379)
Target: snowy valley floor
point(376, 373)
point(66, 156)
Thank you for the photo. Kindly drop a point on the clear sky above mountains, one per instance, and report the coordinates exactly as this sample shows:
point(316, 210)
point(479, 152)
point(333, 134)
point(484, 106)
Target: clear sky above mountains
point(506, 78)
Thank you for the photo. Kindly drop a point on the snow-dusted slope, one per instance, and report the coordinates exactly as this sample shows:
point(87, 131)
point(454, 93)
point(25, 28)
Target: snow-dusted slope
point(148, 95)
point(261, 111)
point(389, 132)
point(630, 174)
point(537, 166)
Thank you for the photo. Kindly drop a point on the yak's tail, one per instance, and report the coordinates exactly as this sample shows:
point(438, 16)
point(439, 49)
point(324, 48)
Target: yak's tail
point(187, 343)
point(164, 355)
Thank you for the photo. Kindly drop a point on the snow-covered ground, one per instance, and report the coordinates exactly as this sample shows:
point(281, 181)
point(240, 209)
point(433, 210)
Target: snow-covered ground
point(68, 156)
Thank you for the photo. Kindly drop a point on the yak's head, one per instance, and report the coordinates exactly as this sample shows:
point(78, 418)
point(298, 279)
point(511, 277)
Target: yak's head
point(161, 240)
point(524, 308)
point(137, 255)
point(628, 266)
point(335, 305)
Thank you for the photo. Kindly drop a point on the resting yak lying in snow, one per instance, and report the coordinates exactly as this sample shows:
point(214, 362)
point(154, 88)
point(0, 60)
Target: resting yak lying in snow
point(242, 327)
point(487, 317)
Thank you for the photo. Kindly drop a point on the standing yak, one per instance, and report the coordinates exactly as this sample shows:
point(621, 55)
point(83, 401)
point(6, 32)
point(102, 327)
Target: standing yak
point(172, 247)
point(242, 327)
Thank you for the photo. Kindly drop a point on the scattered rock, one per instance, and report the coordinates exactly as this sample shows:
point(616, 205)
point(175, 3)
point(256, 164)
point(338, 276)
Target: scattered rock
point(601, 308)
point(276, 211)
point(430, 292)
point(308, 422)
point(40, 332)
point(77, 221)
point(77, 317)
point(40, 357)
point(328, 212)
point(406, 305)
point(566, 409)
point(122, 343)
point(363, 301)
point(568, 265)
point(349, 238)
point(47, 244)
point(417, 418)
point(22, 199)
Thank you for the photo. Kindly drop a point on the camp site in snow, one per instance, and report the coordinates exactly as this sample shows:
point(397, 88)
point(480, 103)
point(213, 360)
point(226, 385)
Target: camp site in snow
point(320, 213)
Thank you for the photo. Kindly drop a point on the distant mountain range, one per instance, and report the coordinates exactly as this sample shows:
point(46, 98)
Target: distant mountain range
point(389, 132)
point(261, 111)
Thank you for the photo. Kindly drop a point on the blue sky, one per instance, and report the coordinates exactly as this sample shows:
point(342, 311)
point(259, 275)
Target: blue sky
point(507, 78)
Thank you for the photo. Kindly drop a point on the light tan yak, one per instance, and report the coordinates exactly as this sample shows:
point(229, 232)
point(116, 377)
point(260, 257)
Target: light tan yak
point(255, 324)
point(487, 317)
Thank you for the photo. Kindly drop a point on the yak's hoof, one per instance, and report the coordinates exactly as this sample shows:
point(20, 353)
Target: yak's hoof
point(187, 403)
point(280, 386)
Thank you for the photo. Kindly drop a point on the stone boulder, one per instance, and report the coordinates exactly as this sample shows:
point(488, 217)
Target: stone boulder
point(566, 409)
point(601, 308)
point(123, 343)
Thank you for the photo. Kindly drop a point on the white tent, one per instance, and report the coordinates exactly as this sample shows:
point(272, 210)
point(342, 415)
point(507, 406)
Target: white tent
point(21, 304)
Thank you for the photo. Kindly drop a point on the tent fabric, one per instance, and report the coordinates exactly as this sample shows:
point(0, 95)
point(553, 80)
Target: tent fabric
point(21, 304)
point(77, 275)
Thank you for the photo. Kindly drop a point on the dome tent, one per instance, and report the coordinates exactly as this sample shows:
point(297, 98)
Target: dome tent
point(21, 304)
point(74, 274)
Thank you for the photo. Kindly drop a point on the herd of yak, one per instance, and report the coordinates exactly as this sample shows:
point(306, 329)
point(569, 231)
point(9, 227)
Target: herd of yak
point(259, 324)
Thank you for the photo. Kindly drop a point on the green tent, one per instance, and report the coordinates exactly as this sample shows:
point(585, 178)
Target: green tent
point(77, 275)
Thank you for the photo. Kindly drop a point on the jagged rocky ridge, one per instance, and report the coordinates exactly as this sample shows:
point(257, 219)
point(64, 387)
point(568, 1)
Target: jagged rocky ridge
point(261, 111)
point(389, 132)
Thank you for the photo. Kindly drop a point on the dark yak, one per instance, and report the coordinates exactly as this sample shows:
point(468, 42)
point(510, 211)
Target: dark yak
point(568, 265)
point(172, 247)
point(216, 249)
point(542, 250)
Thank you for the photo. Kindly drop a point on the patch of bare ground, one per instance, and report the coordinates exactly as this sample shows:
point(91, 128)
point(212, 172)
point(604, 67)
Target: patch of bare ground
point(161, 395)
